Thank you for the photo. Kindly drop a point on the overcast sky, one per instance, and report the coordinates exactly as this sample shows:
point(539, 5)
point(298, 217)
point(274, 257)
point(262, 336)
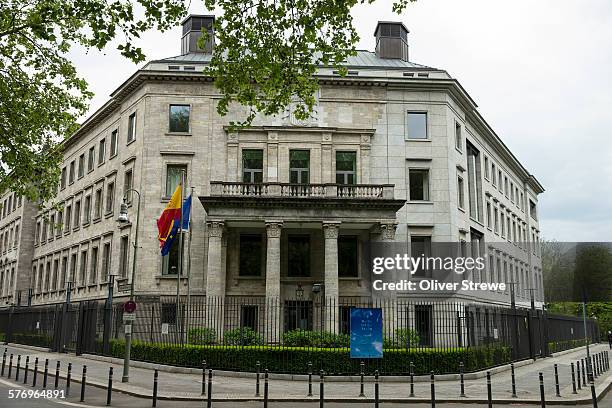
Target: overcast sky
point(540, 72)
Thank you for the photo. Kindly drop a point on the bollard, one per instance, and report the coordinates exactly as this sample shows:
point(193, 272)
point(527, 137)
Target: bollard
point(593, 394)
point(109, 388)
point(411, 379)
point(309, 379)
point(361, 375)
point(57, 368)
point(46, 373)
point(558, 393)
point(593, 367)
point(376, 390)
point(18, 367)
point(203, 377)
point(3, 362)
point(35, 372)
point(258, 364)
point(542, 397)
point(83, 380)
point(578, 373)
point(573, 381)
point(10, 366)
point(461, 379)
point(433, 390)
point(209, 397)
point(583, 373)
point(266, 388)
point(513, 378)
point(155, 376)
point(321, 389)
point(489, 393)
point(25, 374)
point(68, 378)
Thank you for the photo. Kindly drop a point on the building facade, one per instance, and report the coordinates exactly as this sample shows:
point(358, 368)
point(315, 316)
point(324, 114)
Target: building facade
point(394, 152)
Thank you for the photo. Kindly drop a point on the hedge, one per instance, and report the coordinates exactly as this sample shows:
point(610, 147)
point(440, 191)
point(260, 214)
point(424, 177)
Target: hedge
point(556, 346)
point(332, 360)
point(39, 340)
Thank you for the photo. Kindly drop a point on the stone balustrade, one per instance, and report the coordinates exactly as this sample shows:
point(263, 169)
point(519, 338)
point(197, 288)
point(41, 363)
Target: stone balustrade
point(327, 190)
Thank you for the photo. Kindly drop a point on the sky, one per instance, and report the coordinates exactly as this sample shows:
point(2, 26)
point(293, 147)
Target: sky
point(540, 72)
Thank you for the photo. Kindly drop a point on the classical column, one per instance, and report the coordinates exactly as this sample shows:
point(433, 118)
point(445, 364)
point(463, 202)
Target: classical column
point(215, 278)
point(273, 293)
point(330, 233)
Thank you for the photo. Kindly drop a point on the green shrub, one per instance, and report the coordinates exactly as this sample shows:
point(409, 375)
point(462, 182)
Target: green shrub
point(402, 338)
point(556, 346)
point(308, 338)
point(39, 340)
point(202, 336)
point(242, 336)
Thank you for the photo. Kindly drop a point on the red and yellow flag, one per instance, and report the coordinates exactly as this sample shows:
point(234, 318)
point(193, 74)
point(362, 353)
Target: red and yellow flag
point(168, 222)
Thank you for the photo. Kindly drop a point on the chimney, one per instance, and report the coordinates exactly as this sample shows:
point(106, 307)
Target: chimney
point(193, 26)
point(391, 40)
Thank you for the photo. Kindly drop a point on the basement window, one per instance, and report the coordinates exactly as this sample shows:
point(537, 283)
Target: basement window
point(188, 68)
point(174, 67)
point(408, 74)
point(423, 75)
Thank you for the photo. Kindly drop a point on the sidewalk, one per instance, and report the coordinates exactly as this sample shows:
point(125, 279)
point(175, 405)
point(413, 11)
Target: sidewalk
point(186, 386)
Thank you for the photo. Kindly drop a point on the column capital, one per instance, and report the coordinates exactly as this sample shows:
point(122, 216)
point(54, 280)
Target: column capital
point(273, 229)
point(387, 230)
point(331, 229)
point(215, 228)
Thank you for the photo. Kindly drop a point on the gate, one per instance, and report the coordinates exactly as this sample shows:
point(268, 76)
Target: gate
point(88, 319)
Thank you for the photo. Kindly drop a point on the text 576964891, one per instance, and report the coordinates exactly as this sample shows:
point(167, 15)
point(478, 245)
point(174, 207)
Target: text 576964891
point(28, 394)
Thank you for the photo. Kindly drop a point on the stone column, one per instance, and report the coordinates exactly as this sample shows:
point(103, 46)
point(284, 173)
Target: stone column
point(330, 233)
point(215, 278)
point(273, 293)
point(387, 300)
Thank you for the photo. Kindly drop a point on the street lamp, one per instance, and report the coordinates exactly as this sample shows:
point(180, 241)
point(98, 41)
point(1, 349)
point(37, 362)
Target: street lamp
point(123, 218)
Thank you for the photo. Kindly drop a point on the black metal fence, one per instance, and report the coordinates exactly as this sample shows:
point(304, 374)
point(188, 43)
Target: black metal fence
point(234, 332)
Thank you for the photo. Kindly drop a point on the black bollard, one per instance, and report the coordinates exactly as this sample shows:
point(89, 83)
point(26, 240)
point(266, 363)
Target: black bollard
point(583, 373)
point(3, 362)
point(57, 368)
point(309, 379)
point(18, 367)
point(593, 394)
point(266, 388)
point(204, 377)
point(209, 397)
point(411, 379)
point(155, 376)
point(25, 374)
point(542, 397)
point(593, 367)
point(557, 390)
point(109, 388)
point(489, 393)
point(376, 390)
point(46, 373)
point(35, 375)
point(361, 377)
point(68, 378)
point(433, 390)
point(573, 380)
point(83, 381)
point(513, 378)
point(578, 373)
point(461, 380)
point(258, 365)
point(10, 366)
point(321, 389)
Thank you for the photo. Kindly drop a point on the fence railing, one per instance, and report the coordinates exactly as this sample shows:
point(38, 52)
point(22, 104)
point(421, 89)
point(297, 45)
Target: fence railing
point(308, 190)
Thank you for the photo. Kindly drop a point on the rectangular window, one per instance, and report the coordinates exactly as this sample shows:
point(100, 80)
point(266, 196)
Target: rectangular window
point(71, 174)
point(248, 317)
point(173, 177)
point(54, 282)
point(93, 270)
point(51, 225)
point(170, 264)
point(506, 186)
point(252, 166)
point(251, 250)
point(460, 193)
point(83, 269)
point(82, 165)
point(458, 138)
point(102, 151)
point(68, 219)
point(73, 268)
point(60, 223)
point(346, 167)
point(106, 261)
point(298, 315)
point(131, 128)
point(500, 178)
point(424, 324)
point(127, 186)
point(496, 221)
point(123, 256)
point(64, 277)
point(493, 175)
point(77, 214)
point(417, 125)
point(419, 184)
point(488, 214)
point(91, 161)
point(511, 192)
point(110, 197)
point(179, 118)
point(474, 182)
point(298, 255)
point(299, 166)
point(486, 167)
point(348, 256)
point(87, 210)
point(420, 246)
point(113, 146)
point(98, 204)
point(533, 211)
point(502, 223)
point(63, 178)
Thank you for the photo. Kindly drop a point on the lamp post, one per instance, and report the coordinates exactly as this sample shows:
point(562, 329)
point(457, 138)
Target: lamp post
point(123, 218)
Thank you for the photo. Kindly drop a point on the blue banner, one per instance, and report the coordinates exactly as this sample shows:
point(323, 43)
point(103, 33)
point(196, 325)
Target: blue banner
point(366, 333)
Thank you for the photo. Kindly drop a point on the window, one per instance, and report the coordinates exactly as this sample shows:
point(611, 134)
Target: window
point(68, 218)
point(168, 313)
point(460, 193)
point(73, 265)
point(299, 166)
point(500, 178)
point(486, 167)
point(496, 221)
point(298, 315)
point(458, 139)
point(71, 174)
point(417, 125)
point(77, 214)
point(512, 192)
point(127, 185)
point(123, 256)
point(64, 276)
point(16, 236)
point(489, 215)
point(110, 197)
point(93, 270)
point(474, 182)
point(98, 204)
point(506, 186)
point(83, 269)
point(420, 246)
point(60, 223)
point(503, 223)
point(131, 128)
point(522, 204)
point(43, 231)
point(54, 282)
point(173, 177)
point(419, 184)
point(113, 146)
point(102, 151)
point(424, 324)
point(298, 256)
point(346, 165)
point(248, 316)
point(87, 210)
point(106, 261)
point(171, 261)
point(348, 255)
point(493, 175)
point(179, 118)
point(91, 161)
point(251, 250)
point(533, 211)
point(63, 178)
point(51, 233)
point(82, 165)
point(252, 166)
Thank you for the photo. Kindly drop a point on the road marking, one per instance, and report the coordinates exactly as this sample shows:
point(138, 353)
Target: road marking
point(55, 400)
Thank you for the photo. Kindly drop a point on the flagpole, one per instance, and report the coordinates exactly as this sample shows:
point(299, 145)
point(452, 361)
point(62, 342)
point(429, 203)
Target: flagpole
point(179, 323)
point(189, 259)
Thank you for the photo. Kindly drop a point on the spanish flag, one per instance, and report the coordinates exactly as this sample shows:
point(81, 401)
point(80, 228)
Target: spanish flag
point(168, 222)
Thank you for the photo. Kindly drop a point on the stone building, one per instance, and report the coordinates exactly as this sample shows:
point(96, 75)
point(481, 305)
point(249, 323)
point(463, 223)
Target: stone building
point(395, 152)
